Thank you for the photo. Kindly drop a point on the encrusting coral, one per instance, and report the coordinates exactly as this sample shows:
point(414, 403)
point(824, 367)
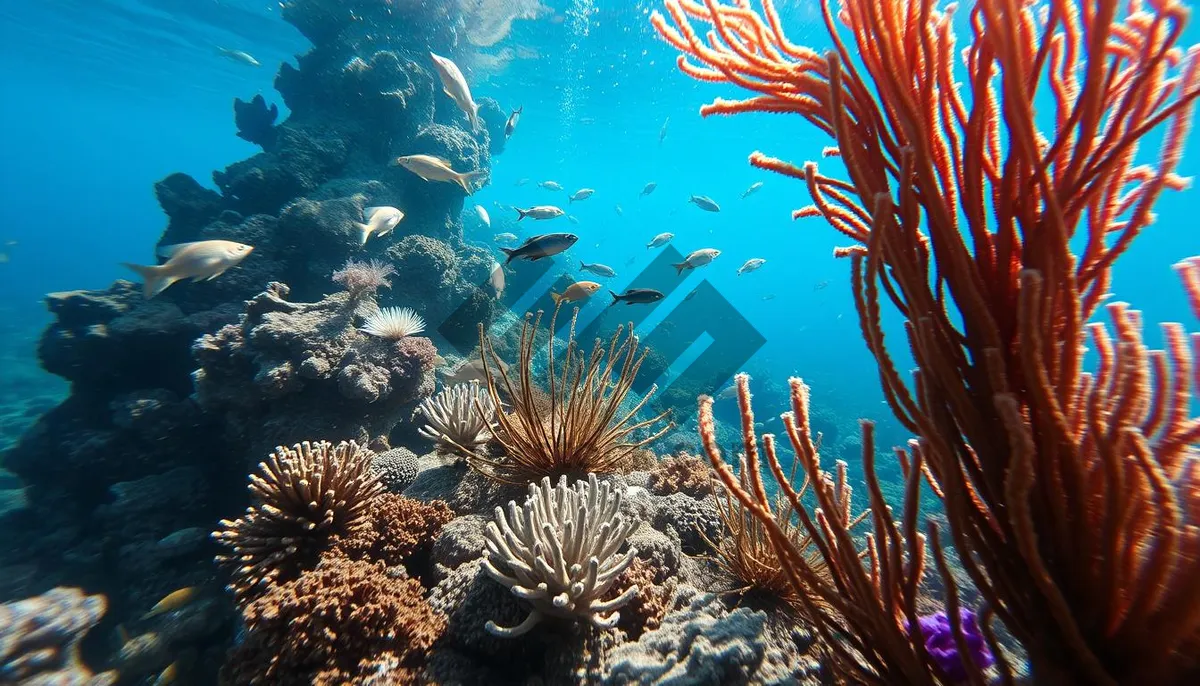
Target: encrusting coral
point(681, 474)
point(1070, 497)
point(339, 623)
point(399, 529)
point(581, 425)
point(559, 552)
point(461, 415)
point(304, 496)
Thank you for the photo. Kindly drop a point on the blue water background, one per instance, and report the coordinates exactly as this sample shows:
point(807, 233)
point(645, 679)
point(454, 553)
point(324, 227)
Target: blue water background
point(104, 97)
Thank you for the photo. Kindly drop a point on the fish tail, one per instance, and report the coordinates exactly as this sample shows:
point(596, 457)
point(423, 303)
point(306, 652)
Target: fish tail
point(510, 252)
point(679, 267)
point(154, 277)
point(520, 214)
point(616, 298)
point(364, 232)
point(467, 180)
point(557, 297)
point(520, 109)
point(582, 264)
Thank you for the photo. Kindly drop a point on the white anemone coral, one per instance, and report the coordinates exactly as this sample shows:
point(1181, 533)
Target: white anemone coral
point(453, 419)
point(394, 323)
point(559, 552)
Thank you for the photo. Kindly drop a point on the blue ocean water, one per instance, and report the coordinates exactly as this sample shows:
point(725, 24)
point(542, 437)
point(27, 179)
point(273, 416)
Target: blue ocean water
point(104, 97)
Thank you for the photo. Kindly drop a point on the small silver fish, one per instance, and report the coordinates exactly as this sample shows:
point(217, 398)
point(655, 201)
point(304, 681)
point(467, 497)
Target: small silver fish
point(705, 203)
point(648, 189)
point(581, 194)
point(496, 279)
point(752, 189)
point(511, 124)
point(573, 219)
point(597, 269)
point(698, 258)
point(539, 212)
point(483, 216)
point(550, 185)
point(662, 133)
point(620, 212)
point(239, 56)
point(660, 240)
point(379, 222)
point(506, 236)
point(750, 265)
point(521, 182)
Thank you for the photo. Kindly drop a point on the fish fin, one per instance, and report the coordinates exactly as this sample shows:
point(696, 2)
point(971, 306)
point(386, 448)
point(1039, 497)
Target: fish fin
point(215, 275)
point(364, 232)
point(154, 277)
point(679, 267)
point(557, 297)
point(123, 634)
point(520, 214)
point(510, 252)
point(368, 212)
point(467, 180)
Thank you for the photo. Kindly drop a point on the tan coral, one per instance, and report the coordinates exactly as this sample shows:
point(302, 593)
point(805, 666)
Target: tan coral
point(559, 553)
point(681, 474)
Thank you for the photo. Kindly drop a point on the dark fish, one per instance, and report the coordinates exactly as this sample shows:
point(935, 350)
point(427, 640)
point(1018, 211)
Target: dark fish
point(511, 124)
point(705, 203)
point(648, 189)
point(662, 133)
point(820, 286)
point(690, 296)
point(637, 296)
point(541, 246)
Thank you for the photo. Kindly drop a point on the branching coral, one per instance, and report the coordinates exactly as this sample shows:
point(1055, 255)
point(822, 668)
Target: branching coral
point(461, 415)
point(303, 497)
point(1071, 497)
point(361, 278)
point(559, 553)
point(584, 428)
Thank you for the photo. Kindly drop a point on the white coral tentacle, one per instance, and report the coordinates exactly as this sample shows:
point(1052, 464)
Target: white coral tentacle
point(559, 553)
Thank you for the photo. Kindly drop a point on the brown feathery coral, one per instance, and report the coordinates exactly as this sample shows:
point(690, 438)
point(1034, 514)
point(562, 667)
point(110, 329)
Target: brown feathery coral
point(303, 497)
point(686, 474)
point(400, 529)
point(364, 278)
point(1071, 497)
point(336, 624)
point(585, 429)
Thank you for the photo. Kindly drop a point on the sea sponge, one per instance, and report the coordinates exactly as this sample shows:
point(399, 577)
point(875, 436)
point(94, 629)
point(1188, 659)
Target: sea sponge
point(304, 496)
point(400, 528)
point(397, 469)
point(683, 474)
point(39, 638)
point(559, 552)
point(339, 623)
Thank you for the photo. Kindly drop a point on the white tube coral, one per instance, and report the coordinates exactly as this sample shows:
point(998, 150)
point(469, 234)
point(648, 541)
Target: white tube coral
point(460, 416)
point(559, 553)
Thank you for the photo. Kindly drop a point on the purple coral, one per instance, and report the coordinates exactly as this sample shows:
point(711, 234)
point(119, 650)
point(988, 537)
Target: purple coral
point(364, 277)
point(939, 641)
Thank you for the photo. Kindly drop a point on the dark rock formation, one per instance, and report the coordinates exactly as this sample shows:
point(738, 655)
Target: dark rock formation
point(255, 121)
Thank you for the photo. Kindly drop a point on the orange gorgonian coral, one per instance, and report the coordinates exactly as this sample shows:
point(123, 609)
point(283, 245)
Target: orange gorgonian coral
point(1071, 496)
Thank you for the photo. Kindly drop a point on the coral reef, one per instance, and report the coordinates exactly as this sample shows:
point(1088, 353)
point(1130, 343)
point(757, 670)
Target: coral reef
point(255, 121)
point(681, 474)
point(401, 532)
point(397, 469)
point(39, 639)
point(304, 496)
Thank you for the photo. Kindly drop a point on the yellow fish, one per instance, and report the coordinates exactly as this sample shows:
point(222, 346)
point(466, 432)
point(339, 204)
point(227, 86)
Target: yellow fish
point(167, 676)
point(173, 601)
point(580, 290)
point(203, 260)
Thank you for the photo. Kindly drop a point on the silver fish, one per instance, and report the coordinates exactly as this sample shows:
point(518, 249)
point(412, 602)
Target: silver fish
point(705, 203)
point(752, 189)
point(660, 240)
point(511, 124)
point(199, 261)
point(750, 265)
point(496, 279)
point(539, 212)
point(506, 236)
point(620, 212)
point(581, 194)
point(483, 216)
point(698, 258)
point(537, 247)
point(550, 185)
point(662, 133)
point(239, 56)
point(454, 84)
point(379, 222)
point(597, 269)
point(433, 168)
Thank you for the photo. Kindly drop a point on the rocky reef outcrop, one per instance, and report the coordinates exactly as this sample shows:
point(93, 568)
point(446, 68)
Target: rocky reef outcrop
point(174, 398)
